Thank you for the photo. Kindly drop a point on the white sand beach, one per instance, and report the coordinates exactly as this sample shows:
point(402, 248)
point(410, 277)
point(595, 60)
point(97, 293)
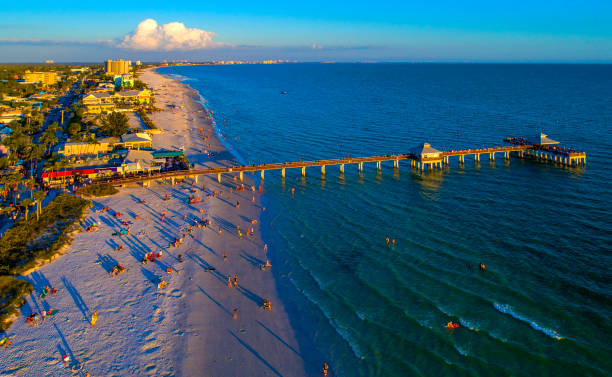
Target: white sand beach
point(186, 329)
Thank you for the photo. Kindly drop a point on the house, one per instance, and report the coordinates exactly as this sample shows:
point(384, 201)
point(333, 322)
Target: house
point(42, 96)
point(10, 115)
point(138, 140)
point(105, 87)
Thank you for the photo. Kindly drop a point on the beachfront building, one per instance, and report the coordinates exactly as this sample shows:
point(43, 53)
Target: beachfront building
point(46, 78)
point(124, 81)
point(136, 162)
point(98, 102)
point(117, 67)
point(135, 97)
point(138, 140)
point(81, 148)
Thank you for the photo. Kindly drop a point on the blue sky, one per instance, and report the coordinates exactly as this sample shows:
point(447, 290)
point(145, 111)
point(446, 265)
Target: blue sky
point(435, 30)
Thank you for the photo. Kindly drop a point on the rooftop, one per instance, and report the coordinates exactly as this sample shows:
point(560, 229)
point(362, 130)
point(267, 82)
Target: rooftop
point(542, 139)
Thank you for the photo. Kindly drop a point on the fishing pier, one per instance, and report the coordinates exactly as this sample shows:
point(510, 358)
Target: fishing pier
point(423, 157)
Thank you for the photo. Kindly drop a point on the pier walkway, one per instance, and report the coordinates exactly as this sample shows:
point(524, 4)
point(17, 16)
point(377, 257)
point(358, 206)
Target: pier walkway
point(422, 157)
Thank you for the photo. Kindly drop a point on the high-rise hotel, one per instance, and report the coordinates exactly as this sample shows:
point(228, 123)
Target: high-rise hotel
point(117, 67)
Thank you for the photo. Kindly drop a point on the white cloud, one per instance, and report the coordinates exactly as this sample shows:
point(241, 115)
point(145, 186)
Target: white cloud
point(171, 36)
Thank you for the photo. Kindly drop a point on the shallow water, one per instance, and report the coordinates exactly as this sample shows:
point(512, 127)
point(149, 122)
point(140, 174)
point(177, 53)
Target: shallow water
point(544, 303)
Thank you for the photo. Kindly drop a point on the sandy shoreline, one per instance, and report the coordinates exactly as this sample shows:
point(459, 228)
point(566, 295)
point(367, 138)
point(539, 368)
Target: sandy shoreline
point(188, 328)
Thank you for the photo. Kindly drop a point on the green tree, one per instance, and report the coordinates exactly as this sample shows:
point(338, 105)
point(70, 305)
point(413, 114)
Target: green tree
point(17, 141)
point(114, 124)
point(74, 128)
point(49, 137)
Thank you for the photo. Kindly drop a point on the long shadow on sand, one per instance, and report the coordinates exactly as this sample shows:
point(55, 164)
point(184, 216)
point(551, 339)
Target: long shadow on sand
point(215, 301)
point(255, 353)
point(150, 276)
point(208, 267)
point(224, 224)
point(66, 348)
point(279, 338)
point(39, 281)
point(251, 296)
point(107, 262)
point(78, 300)
point(256, 262)
point(195, 240)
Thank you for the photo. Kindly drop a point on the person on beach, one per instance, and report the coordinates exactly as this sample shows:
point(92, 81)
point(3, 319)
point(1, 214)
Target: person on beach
point(237, 204)
point(253, 199)
point(325, 369)
point(235, 313)
point(293, 192)
point(219, 231)
point(224, 256)
point(482, 267)
point(265, 248)
point(235, 281)
point(229, 282)
point(387, 241)
point(5, 342)
point(393, 243)
point(94, 318)
point(163, 217)
point(180, 258)
point(267, 304)
point(248, 232)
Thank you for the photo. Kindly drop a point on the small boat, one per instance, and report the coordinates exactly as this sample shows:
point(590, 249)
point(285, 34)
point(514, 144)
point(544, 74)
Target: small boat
point(284, 92)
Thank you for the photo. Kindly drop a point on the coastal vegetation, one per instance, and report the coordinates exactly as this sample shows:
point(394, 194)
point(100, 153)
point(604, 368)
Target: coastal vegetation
point(114, 124)
point(32, 241)
point(12, 292)
point(29, 241)
point(145, 118)
point(99, 190)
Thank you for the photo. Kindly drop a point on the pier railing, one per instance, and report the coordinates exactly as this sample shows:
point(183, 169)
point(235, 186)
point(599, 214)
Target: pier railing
point(431, 160)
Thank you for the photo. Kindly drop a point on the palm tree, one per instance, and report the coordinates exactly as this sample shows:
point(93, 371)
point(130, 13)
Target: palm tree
point(39, 196)
point(26, 203)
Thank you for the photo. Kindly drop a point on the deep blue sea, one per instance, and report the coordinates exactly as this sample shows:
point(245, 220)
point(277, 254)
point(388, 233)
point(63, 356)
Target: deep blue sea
point(542, 307)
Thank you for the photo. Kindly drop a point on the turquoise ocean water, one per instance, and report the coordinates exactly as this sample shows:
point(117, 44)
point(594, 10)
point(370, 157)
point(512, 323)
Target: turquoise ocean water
point(543, 307)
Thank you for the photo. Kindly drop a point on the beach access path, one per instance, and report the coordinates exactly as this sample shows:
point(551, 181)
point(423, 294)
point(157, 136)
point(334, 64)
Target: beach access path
point(188, 328)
